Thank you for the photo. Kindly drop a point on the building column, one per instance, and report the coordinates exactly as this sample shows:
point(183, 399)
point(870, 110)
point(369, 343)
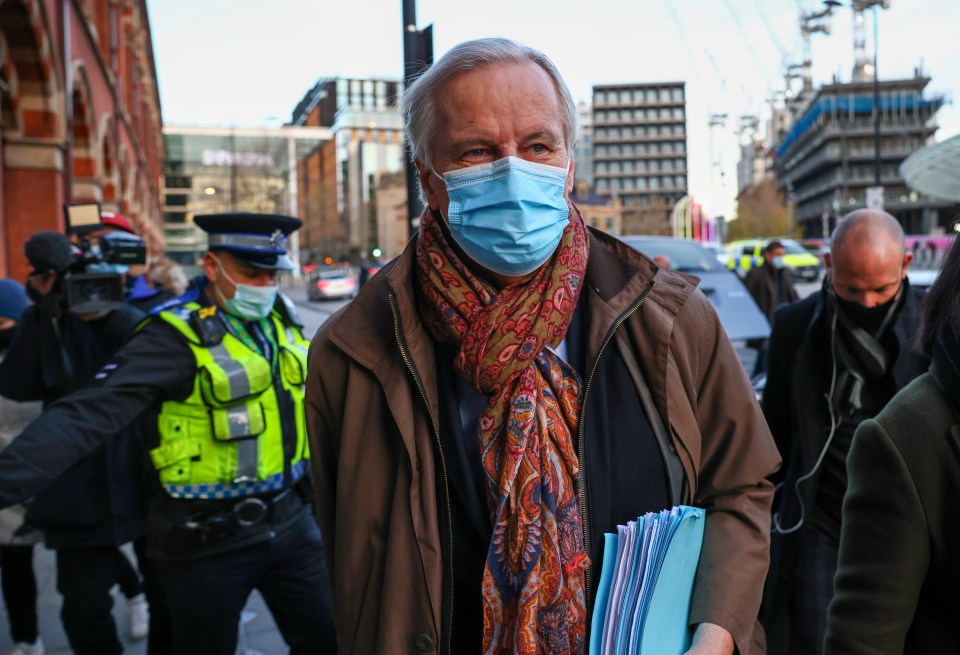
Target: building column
point(32, 195)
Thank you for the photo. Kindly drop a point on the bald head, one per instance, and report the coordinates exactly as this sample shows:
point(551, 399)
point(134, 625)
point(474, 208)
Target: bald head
point(867, 262)
point(869, 230)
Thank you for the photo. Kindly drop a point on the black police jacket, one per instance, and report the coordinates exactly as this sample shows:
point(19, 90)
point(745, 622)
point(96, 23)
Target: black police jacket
point(156, 365)
point(100, 500)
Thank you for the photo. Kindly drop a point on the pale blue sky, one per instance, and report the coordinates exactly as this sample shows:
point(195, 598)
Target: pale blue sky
point(249, 63)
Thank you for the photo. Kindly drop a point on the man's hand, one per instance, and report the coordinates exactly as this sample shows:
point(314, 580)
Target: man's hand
point(711, 639)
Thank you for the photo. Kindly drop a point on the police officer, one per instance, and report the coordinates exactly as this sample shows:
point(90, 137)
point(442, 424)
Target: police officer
point(216, 377)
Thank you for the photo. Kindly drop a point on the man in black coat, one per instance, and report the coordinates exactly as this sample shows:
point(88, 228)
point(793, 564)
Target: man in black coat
point(100, 503)
point(771, 288)
point(836, 358)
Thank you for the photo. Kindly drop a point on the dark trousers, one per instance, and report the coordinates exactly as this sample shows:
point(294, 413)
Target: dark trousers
point(84, 579)
point(160, 639)
point(813, 589)
point(206, 596)
point(19, 591)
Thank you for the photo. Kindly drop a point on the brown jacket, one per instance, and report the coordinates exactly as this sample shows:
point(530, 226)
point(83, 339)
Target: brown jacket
point(372, 380)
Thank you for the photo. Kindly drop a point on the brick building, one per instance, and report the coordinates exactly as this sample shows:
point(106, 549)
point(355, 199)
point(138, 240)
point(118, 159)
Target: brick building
point(338, 181)
point(79, 118)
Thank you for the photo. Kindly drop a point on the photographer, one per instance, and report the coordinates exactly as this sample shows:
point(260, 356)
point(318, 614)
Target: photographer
point(99, 503)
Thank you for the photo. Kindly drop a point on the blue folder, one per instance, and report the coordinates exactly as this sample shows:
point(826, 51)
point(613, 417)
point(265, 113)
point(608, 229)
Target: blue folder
point(643, 597)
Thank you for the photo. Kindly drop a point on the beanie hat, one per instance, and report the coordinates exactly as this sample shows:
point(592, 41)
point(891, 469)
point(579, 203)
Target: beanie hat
point(13, 299)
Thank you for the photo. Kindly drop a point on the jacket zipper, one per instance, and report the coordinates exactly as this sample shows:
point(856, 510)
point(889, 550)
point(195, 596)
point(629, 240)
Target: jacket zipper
point(443, 462)
point(583, 409)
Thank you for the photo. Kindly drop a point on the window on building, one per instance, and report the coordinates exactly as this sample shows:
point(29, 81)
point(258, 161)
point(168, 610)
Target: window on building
point(664, 95)
point(638, 96)
point(614, 184)
point(614, 167)
point(654, 183)
point(678, 113)
point(641, 183)
point(677, 93)
point(609, 223)
point(641, 166)
point(626, 115)
point(601, 167)
point(625, 97)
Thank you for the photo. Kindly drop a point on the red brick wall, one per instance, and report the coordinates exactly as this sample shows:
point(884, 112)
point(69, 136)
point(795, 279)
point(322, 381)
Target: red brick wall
point(31, 199)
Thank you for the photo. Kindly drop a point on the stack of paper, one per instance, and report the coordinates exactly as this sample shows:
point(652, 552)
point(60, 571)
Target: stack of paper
point(643, 599)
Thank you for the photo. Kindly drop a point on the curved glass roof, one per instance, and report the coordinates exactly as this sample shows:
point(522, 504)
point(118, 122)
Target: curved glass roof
point(933, 170)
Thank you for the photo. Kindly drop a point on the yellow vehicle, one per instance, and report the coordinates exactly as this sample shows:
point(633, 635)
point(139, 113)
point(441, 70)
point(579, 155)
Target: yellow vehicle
point(747, 253)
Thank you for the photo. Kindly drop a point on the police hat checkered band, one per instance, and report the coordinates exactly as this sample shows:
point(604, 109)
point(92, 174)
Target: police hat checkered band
point(275, 243)
point(220, 491)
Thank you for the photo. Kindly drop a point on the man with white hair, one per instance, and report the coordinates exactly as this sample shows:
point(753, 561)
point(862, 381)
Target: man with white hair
point(513, 386)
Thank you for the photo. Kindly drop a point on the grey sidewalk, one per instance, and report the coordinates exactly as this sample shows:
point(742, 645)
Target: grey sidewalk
point(260, 631)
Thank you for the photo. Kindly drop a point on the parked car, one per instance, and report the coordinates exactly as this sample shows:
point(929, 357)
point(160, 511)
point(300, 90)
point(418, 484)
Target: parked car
point(748, 253)
point(816, 247)
point(331, 283)
point(928, 250)
point(719, 251)
point(739, 314)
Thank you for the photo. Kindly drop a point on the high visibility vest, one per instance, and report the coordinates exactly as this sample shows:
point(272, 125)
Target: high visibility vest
point(226, 440)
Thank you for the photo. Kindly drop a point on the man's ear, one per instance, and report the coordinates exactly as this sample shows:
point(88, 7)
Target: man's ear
point(570, 178)
point(210, 268)
point(907, 258)
point(826, 261)
point(429, 183)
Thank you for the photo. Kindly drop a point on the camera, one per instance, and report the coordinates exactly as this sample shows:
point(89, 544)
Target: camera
point(94, 282)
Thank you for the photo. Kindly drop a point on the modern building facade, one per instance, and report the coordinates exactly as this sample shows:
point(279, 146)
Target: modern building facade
point(226, 169)
point(640, 150)
point(825, 161)
point(338, 181)
point(79, 118)
point(583, 153)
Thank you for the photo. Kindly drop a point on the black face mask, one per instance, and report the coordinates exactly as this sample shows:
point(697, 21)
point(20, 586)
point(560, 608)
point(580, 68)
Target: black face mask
point(32, 293)
point(6, 336)
point(869, 318)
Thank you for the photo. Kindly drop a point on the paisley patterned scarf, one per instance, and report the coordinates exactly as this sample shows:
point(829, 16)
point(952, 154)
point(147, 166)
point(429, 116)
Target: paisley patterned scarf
point(534, 593)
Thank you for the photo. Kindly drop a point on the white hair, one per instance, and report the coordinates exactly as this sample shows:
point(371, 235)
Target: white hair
point(419, 106)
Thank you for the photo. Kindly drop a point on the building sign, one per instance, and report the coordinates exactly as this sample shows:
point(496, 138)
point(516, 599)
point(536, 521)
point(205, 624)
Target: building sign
point(241, 159)
point(875, 198)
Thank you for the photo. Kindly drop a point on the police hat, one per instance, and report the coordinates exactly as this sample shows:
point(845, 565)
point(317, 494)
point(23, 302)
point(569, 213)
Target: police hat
point(259, 239)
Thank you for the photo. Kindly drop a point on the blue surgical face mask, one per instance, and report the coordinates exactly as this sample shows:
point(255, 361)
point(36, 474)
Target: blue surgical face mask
point(249, 302)
point(508, 215)
point(778, 262)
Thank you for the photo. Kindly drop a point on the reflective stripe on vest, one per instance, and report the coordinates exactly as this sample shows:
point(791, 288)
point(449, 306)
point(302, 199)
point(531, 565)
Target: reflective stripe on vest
point(225, 440)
